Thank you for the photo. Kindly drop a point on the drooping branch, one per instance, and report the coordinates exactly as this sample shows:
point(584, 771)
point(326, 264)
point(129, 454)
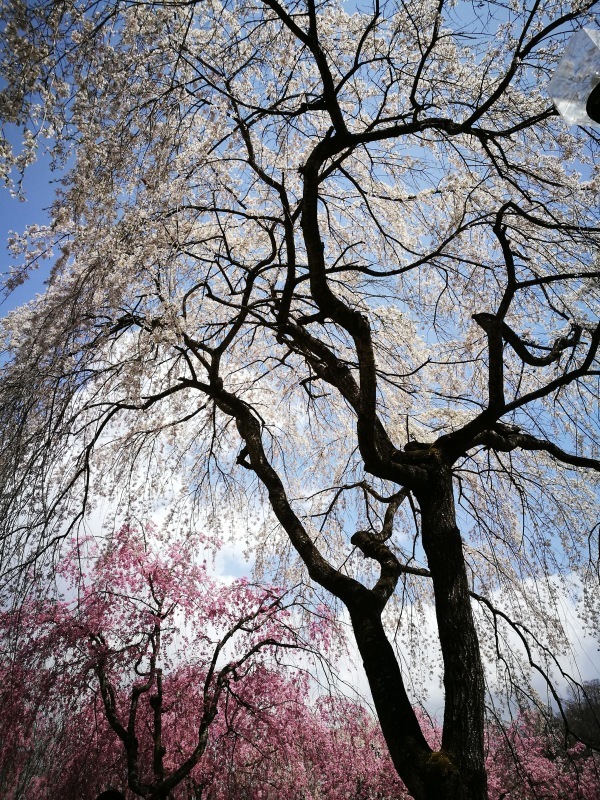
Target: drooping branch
point(387, 461)
point(525, 635)
point(568, 377)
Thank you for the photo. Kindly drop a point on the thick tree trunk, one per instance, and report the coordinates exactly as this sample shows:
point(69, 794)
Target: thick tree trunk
point(462, 741)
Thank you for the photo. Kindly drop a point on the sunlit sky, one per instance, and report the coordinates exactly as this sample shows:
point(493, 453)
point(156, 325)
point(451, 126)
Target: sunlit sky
point(16, 214)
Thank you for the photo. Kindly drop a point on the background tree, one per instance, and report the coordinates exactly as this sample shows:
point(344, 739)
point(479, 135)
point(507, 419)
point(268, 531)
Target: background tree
point(582, 712)
point(121, 681)
point(528, 759)
point(273, 734)
point(337, 272)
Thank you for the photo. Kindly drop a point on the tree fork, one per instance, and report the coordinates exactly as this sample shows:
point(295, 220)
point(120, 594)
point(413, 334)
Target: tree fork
point(457, 771)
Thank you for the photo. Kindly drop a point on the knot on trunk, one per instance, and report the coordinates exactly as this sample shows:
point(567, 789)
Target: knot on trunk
point(441, 763)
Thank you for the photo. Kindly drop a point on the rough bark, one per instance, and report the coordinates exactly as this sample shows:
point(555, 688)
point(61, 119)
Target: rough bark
point(428, 774)
point(462, 740)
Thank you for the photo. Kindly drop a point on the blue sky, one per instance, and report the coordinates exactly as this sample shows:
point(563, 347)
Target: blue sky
point(16, 214)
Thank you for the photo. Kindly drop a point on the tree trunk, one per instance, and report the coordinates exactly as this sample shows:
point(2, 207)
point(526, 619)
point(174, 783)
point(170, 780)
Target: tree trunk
point(428, 775)
point(407, 745)
point(462, 741)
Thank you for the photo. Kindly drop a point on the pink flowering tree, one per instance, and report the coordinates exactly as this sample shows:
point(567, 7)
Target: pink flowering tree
point(528, 760)
point(121, 678)
point(146, 673)
point(328, 749)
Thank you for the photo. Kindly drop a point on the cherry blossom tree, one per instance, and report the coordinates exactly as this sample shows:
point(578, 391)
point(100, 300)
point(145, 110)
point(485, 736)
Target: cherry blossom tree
point(527, 760)
point(582, 710)
point(278, 742)
point(123, 678)
point(333, 273)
